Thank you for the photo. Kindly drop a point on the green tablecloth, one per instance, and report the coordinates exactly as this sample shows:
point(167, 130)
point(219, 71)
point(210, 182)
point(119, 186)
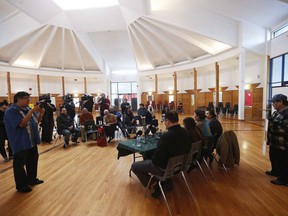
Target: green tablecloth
point(142, 146)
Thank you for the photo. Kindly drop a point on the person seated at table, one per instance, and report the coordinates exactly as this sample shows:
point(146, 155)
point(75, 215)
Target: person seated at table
point(215, 128)
point(142, 112)
point(173, 143)
point(194, 134)
point(110, 122)
point(129, 120)
point(66, 127)
point(193, 130)
point(207, 136)
point(87, 123)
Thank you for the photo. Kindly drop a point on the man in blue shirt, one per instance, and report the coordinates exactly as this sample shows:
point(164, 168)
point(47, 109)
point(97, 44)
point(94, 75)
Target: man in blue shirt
point(21, 124)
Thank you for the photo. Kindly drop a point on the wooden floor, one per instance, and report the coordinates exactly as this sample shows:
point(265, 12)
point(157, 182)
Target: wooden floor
point(89, 180)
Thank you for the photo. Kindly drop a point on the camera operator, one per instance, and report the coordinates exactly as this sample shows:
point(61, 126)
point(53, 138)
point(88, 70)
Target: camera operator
point(69, 105)
point(47, 122)
point(87, 102)
point(104, 103)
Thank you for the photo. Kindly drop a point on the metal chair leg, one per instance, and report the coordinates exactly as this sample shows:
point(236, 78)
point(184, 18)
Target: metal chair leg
point(209, 168)
point(202, 171)
point(147, 187)
point(163, 194)
point(183, 175)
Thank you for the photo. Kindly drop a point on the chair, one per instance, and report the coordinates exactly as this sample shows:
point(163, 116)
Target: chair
point(193, 158)
point(227, 108)
point(207, 151)
point(57, 135)
point(175, 166)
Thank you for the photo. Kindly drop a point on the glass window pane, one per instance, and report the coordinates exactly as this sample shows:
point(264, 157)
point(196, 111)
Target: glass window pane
point(134, 87)
point(276, 84)
point(124, 88)
point(286, 68)
point(277, 69)
point(114, 88)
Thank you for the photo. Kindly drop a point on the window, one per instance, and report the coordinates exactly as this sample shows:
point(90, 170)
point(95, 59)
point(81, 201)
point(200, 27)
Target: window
point(280, 31)
point(286, 68)
point(276, 76)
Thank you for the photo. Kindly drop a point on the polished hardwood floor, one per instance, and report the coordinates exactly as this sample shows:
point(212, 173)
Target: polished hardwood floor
point(89, 180)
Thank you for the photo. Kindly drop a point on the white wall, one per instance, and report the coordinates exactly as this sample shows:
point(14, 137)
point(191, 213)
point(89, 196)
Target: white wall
point(279, 45)
point(3, 84)
point(50, 84)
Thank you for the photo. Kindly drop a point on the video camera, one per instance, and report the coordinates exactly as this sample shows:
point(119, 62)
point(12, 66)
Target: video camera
point(43, 99)
point(68, 98)
point(86, 97)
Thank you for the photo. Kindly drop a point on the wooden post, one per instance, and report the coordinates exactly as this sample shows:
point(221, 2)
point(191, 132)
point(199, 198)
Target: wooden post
point(85, 85)
point(156, 90)
point(63, 86)
point(217, 83)
point(38, 85)
point(175, 90)
point(195, 90)
point(9, 88)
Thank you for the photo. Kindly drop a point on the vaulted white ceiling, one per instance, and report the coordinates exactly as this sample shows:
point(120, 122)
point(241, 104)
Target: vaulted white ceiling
point(138, 35)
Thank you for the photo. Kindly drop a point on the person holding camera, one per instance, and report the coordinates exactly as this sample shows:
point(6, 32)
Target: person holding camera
point(69, 105)
point(87, 102)
point(104, 104)
point(21, 124)
point(3, 134)
point(47, 122)
point(65, 126)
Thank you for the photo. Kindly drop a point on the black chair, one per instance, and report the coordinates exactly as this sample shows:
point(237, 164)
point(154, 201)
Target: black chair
point(227, 107)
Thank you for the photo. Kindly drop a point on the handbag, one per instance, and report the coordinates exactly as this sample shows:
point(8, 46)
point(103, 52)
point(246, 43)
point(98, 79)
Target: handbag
point(101, 138)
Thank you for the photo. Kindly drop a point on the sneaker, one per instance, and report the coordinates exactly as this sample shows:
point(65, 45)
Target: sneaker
point(6, 159)
point(65, 145)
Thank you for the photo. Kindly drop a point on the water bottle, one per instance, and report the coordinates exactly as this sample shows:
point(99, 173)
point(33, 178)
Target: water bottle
point(138, 141)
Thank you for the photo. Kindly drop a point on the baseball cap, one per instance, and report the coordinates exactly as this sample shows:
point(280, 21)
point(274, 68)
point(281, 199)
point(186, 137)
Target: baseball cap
point(278, 97)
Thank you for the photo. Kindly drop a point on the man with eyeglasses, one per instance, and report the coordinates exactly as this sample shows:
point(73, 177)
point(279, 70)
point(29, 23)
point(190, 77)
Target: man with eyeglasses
point(278, 140)
point(21, 124)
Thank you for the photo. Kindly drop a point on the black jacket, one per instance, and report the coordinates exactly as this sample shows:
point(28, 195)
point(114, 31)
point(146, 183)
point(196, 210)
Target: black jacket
point(174, 142)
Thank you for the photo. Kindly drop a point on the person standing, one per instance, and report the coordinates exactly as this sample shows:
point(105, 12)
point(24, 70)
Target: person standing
point(47, 122)
point(278, 140)
point(124, 106)
point(173, 143)
point(21, 124)
point(3, 134)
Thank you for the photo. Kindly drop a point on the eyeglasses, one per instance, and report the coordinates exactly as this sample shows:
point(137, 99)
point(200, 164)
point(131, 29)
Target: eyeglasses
point(26, 98)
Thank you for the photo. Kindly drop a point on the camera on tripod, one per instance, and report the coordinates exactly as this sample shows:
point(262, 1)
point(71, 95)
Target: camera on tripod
point(86, 97)
point(43, 99)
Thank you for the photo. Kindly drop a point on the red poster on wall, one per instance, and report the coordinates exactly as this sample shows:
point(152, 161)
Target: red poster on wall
point(248, 98)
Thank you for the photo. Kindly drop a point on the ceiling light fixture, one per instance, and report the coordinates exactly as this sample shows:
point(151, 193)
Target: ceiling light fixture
point(84, 4)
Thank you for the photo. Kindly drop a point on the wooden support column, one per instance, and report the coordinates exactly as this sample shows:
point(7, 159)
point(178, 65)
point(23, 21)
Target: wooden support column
point(63, 86)
point(156, 90)
point(9, 88)
point(175, 89)
point(217, 83)
point(38, 85)
point(85, 85)
point(195, 89)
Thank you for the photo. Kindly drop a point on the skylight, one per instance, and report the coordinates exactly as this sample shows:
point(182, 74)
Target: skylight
point(84, 4)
